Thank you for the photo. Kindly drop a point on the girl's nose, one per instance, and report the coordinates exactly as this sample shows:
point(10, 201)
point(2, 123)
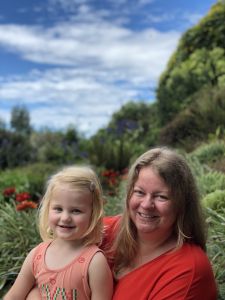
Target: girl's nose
point(65, 216)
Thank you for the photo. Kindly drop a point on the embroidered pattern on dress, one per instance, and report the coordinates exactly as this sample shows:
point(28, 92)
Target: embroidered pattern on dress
point(59, 293)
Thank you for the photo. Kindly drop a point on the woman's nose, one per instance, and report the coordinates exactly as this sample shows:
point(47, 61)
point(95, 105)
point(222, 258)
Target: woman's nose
point(148, 202)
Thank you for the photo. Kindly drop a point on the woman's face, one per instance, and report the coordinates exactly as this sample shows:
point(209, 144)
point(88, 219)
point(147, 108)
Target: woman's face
point(151, 207)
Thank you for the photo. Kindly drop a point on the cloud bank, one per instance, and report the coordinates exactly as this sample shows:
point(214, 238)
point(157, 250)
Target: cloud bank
point(84, 67)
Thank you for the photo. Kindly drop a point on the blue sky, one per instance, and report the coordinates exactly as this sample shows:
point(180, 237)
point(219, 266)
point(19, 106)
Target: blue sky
point(75, 62)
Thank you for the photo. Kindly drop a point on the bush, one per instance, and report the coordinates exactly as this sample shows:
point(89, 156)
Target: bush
point(19, 235)
point(215, 200)
point(209, 153)
point(212, 181)
point(31, 178)
point(216, 247)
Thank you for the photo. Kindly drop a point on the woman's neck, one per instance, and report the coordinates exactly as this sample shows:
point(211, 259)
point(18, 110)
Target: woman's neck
point(150, 247)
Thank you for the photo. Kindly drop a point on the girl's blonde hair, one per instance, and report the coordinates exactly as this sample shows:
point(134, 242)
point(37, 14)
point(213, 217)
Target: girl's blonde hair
point(79, 178)
point(177, 175)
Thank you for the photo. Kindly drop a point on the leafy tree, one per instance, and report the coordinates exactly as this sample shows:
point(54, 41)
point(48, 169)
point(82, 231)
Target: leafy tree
point(202, 117)
point(131, 130)
point(197, 62)
point(2, 124)
point(202, 68)
point(15, 149)
point(20, 120)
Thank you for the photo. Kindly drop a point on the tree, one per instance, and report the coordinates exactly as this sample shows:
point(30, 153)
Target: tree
point(198, 61)
point(20, 120)
point(202, 68)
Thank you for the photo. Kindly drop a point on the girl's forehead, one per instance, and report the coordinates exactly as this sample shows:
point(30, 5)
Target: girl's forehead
point(74, 187)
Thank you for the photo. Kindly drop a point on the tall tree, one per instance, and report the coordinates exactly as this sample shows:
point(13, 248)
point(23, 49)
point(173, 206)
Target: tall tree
point(197, 62)
point(20, 120)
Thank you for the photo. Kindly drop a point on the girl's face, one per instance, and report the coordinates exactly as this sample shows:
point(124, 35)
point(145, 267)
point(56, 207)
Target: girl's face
point(70, 212)
point(151, 207)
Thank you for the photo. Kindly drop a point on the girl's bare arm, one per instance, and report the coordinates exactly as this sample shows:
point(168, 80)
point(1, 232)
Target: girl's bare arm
point(100, 278)
point(24, 281)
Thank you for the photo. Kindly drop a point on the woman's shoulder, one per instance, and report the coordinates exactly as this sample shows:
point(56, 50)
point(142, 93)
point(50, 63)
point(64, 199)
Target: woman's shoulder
point(110, 229)
point(193, 251)
point(110, 221)
point(191, 259)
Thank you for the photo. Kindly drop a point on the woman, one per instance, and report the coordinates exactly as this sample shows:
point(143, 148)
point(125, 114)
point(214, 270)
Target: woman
point(160, 240)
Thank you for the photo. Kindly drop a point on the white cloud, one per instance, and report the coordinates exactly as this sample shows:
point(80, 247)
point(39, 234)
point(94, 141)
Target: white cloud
point(95, 67)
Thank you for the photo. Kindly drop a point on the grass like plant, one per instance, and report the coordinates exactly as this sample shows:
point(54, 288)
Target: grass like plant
point(19, 235)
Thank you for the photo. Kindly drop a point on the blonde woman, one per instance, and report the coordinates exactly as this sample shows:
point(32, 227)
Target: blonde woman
point(160, 241)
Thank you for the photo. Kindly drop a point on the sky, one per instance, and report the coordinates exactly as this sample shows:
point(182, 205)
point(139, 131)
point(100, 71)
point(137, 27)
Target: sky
point(76, 62)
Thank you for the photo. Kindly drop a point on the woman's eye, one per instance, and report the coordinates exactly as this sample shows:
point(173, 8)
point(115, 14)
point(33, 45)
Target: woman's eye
point(162, 197)
point(138, 192)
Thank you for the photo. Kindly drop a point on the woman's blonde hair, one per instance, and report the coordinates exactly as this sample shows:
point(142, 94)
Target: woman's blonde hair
point(78, 178)
point(177, 175)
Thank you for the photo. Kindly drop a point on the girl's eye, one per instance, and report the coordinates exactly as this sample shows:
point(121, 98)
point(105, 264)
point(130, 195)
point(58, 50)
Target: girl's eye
point(58, 209)
point(76, 211)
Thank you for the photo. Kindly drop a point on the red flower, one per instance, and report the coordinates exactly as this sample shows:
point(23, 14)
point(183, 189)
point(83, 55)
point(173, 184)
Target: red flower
point(26, 204)
point(9, 191)
point(22, 196)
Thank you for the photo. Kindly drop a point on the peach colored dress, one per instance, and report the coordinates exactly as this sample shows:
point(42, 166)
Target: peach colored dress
point(67, 283)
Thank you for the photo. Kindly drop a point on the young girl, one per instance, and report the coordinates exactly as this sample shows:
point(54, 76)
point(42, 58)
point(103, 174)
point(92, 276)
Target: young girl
point(68, 264)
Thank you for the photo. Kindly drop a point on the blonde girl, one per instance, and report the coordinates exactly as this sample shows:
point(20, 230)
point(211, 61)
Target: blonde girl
point(68, 263)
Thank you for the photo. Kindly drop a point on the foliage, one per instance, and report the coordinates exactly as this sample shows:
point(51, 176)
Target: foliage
point(197, 62)
point(15, 149)
point(216, 247)
point(215, 200)
point(56, 147)
point(204, 35)
point(201, 118)
point(18, 235)
point(111, 152)
point(20, 120)
point(30, 178)
point(13, 178)
point(130, 132)
point(22, 200)
point(210, 152)
point(212, 181)
point(137, 122)
point(114, 204)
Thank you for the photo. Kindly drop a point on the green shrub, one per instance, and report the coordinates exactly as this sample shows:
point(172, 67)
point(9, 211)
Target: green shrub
point(216, 247)
point(211, 182)
point(13, 178)
point(31, 178)
point(215, 200)
point(37, 175)
point(114, 204)
point(19, 235)
point(212, 152)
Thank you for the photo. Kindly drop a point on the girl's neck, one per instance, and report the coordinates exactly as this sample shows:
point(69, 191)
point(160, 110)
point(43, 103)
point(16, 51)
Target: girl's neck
point(67, 244)
point(61, 252)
